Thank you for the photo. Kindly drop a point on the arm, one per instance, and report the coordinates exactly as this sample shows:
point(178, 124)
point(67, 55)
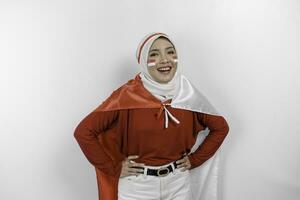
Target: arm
point(218, 128)
point(86, 134)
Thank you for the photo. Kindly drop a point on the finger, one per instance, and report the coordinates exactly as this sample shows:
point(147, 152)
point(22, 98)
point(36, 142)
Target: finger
point(133, 167)
point(181, 165)
point(180, 161)
point(136, 164)
point(183, 156)
point(134, 170)
point(135, 174)
point(132, 157)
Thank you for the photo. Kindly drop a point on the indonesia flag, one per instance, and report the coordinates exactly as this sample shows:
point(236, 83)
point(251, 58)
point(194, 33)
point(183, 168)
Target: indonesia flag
point(151, 63)
point(175, 59)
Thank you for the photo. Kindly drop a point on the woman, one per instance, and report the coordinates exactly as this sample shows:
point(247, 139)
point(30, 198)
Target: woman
point(144, 138)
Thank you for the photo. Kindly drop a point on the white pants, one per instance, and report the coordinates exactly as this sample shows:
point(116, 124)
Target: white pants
point(174, 186)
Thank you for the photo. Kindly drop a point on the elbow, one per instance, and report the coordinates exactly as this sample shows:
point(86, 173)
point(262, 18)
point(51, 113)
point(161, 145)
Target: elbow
point(225, 126)
point(82, 133)
point(77, 133)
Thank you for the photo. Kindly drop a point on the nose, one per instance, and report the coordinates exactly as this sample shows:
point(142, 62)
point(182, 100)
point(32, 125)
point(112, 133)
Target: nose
point(164, 59)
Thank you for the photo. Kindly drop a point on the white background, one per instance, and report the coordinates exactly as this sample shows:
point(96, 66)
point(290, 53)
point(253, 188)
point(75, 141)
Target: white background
point(60, 59)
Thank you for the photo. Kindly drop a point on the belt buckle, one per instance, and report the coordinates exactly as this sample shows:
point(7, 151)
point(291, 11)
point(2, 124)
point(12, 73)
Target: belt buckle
point(161, 169)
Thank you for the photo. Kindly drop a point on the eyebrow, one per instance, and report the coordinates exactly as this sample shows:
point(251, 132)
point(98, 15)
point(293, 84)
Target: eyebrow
point(158, 49)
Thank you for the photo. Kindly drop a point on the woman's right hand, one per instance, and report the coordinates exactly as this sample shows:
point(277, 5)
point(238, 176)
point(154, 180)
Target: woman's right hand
point(128, 166)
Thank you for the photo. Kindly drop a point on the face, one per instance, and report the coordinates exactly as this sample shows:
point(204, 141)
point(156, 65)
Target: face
point(162, 60)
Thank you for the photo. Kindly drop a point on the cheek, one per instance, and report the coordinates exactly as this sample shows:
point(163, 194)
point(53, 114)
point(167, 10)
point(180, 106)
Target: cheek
point(151, 62)
point(174, 58)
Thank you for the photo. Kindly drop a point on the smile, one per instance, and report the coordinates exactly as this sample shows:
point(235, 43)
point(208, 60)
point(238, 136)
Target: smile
point(164, 70)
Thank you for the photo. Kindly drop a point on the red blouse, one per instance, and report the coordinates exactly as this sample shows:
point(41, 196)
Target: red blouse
point(107, 137)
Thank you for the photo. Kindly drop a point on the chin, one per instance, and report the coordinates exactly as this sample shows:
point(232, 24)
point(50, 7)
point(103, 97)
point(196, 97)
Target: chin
point(164, 79)
point(161, 78)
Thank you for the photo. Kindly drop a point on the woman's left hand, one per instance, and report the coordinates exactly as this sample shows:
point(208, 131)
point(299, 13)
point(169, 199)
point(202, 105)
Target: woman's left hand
point(184, 163)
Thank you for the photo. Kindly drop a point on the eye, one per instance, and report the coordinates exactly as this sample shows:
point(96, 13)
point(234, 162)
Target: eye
point(153, 54)
point(171, 52)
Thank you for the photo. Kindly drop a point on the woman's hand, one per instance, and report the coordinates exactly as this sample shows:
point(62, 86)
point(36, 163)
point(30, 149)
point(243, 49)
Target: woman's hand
point(128, 166)
point(184, 163)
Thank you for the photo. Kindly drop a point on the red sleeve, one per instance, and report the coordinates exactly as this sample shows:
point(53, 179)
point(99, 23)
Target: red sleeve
point(86, 134)
point(218, 129)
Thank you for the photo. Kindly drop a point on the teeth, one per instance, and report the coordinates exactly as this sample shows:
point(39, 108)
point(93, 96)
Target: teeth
point(164, 69)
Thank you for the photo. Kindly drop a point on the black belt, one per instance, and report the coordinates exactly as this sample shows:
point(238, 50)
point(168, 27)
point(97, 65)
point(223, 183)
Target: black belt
point(164, 171)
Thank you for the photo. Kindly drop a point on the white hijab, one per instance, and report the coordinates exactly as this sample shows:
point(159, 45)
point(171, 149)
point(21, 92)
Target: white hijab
point(161, 91)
